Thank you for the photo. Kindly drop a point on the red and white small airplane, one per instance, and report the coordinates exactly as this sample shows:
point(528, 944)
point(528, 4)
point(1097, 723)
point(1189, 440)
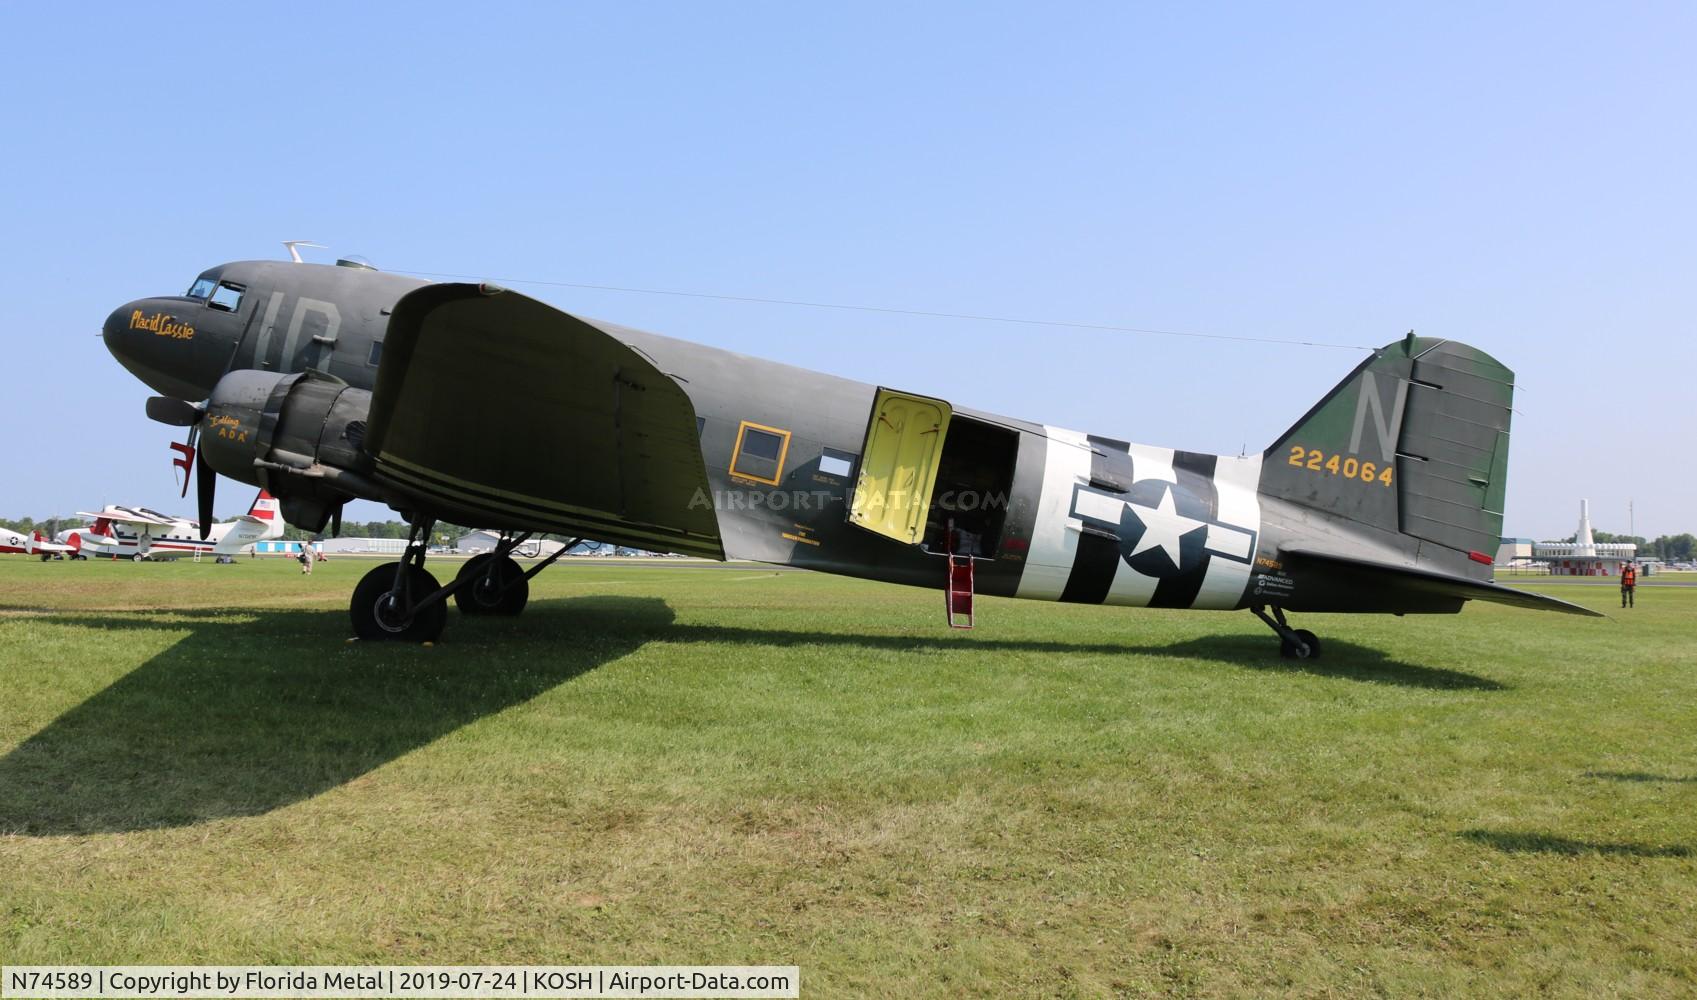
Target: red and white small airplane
point(14, 543)
point(137, 532)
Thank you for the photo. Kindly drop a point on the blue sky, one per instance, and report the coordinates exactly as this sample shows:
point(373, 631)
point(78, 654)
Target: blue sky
point(1518, 178)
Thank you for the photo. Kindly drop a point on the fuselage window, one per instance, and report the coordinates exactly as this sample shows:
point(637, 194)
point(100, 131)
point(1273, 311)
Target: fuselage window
point(836, 463)
point(227, 297)
point(760, 452)
point(376, 353)
point(202, 288)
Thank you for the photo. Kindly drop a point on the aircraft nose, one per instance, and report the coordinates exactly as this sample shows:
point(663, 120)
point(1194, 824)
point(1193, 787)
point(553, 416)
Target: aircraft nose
point(158, 341)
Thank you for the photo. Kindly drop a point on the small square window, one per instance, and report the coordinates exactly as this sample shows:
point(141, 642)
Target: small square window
point(836, 463)
point(760, 453)
point(376, 353)
point(227, 297)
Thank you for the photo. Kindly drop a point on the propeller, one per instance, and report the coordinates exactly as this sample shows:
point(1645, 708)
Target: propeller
point(173, 411)
point(206, 485)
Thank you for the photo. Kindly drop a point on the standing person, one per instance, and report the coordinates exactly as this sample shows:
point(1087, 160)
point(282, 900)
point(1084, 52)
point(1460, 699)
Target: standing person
point(1628, 583)
point(306, 560)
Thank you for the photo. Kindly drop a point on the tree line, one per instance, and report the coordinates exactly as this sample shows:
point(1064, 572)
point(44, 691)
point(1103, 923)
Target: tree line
point(442, 532)
point(1674, 548)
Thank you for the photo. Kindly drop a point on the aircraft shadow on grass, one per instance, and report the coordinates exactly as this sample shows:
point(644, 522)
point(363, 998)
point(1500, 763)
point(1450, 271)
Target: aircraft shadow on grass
point(252, 711)
point(1526, 842)
point(1642, 776)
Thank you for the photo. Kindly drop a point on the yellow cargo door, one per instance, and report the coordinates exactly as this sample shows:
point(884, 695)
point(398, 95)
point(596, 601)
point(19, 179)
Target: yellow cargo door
point(898, 465)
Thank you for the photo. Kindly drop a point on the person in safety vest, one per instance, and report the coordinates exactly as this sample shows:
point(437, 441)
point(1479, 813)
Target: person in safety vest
point(1628, 583)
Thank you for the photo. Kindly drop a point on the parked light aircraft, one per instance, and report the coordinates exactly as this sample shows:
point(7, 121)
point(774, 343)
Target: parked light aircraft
point(33, 544)
point(137, 533)
point(480, 405)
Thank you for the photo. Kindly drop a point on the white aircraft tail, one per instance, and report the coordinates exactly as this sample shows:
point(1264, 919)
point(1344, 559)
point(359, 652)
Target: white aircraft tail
point(262, 521)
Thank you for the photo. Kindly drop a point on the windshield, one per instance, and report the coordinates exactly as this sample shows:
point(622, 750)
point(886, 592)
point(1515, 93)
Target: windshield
point(202, 288)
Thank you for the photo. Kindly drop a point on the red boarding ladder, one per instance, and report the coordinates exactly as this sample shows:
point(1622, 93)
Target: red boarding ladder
point(958, 594)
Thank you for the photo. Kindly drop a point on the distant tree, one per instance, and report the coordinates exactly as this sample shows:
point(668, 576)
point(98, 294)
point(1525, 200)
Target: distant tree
point(1677, 547)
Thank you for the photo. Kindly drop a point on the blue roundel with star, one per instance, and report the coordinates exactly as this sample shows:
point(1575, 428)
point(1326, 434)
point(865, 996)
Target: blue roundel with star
point(1156, 539)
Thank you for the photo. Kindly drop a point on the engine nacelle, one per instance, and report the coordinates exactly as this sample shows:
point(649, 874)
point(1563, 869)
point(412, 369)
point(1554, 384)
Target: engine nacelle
point(296, 435)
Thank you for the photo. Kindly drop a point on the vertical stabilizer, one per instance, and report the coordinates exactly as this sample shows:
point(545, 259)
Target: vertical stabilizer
point(1414, 441)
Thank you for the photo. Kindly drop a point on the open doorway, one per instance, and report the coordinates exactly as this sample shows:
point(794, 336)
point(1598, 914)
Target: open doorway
point(974, 485)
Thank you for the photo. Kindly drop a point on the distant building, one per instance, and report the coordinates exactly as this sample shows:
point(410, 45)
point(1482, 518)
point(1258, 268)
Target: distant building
point(380, 546)
point(483, 540)
point(282, 548)
point(1583, 556)
point(1514, 551)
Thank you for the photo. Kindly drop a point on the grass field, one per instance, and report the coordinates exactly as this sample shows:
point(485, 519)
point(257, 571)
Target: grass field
point(665, 764)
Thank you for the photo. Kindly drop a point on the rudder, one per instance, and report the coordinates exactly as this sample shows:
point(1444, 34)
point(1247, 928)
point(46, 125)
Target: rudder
point(1414, 441)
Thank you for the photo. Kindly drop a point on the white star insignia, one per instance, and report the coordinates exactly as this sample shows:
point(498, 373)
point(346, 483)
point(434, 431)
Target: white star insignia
point(1162, 527)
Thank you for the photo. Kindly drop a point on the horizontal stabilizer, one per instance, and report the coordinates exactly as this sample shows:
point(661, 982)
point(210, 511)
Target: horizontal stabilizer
point(1425, 581)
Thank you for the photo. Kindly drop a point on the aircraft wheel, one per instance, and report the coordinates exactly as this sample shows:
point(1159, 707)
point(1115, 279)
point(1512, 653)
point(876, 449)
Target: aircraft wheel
point(375, 615)
point(138, 557)
point(505, 594)
point(1290, 651)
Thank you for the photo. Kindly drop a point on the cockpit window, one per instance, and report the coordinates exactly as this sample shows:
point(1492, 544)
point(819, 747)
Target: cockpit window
point(227, 297)
point(202, 288)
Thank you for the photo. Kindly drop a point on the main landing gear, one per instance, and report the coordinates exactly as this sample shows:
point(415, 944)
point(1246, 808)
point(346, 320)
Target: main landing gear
point(1294, 643)
point(404, 602)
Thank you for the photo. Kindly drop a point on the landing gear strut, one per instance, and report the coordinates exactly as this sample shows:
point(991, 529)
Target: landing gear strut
point(1294, 643)
point(402, 601)
point(405, 602)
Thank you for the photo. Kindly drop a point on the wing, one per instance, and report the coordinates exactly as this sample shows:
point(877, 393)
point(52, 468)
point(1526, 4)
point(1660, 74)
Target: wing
point(1429, 582)
point(126, 516)
point(493, 408)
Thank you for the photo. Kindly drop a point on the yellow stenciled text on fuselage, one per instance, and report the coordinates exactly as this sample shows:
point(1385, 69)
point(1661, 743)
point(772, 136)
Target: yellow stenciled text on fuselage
point(162, 324)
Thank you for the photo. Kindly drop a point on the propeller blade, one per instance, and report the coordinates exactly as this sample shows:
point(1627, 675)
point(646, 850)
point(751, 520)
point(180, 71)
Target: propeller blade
point(206, 484)
point(184, 461)
point(176, 412)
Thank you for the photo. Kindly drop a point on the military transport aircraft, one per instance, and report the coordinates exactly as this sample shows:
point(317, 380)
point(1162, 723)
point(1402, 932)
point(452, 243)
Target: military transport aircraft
point(480, 405)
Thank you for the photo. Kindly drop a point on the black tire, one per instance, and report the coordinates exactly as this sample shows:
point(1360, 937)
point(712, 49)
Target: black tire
point(138, 557)
point(1289, 650)
point(504, 594)
point(374, 619)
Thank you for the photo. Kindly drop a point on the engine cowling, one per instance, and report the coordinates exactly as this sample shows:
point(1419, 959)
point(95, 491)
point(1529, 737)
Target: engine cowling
point(298, 436)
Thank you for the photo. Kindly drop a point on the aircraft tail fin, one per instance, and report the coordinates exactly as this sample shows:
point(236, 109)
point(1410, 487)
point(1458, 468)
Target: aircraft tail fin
point(265, 516)
point(264, 506)
point(1414, 441)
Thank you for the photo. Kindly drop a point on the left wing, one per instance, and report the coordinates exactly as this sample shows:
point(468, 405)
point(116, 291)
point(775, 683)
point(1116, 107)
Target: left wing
point(493, 408)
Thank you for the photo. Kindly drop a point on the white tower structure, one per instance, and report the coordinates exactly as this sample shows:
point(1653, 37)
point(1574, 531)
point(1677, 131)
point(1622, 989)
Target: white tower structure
point(1584, 556)
point(1583, 544)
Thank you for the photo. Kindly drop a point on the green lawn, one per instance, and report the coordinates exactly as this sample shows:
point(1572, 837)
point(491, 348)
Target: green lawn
point(663, 764)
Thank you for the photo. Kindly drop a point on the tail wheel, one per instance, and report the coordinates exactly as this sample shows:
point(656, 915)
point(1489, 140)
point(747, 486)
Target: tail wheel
point(504, 592)
point(1309, 650)
point(378, 614)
